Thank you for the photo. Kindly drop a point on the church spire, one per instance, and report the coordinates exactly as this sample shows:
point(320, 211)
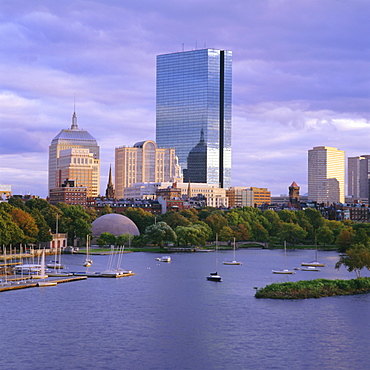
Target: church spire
point(109, 193)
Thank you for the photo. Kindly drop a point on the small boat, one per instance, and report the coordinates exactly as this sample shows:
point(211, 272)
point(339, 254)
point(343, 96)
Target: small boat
point(233, 262)
point(310, 268)
point(164, 259)
point(46, 283)
point(42, 273)
point(88, 261)
point(214, 276)
point(315, 262)
point(285, 270)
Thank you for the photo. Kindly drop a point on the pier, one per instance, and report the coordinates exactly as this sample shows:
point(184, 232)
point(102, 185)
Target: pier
point(14, 284)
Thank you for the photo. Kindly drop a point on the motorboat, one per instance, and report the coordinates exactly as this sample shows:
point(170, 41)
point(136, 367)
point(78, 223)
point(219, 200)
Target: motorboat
point(164, 259)
point(214, 276)
point(313, 264)
point(310, 268)
point(284, 271)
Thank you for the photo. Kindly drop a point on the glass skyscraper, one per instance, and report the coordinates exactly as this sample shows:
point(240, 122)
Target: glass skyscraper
point(194, 99)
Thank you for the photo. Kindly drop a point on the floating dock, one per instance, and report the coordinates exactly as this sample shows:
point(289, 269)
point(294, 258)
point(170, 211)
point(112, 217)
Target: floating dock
point(22, 284)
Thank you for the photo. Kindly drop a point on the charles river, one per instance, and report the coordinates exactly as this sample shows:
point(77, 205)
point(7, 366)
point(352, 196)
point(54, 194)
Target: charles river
point(168, 316)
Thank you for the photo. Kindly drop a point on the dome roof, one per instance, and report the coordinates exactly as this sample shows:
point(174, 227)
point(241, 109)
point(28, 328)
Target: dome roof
point(115, 224)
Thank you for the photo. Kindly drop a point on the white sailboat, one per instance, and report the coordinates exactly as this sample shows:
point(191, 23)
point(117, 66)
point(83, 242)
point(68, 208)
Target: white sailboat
point(56, 264)
point(285, 270)
point(233, 262)
point(43, 274)
point(315, 262)
point(88, 261)
point(214, 276)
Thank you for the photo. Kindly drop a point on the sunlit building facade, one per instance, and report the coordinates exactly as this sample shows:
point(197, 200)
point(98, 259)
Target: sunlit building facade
point(82, 164)
point(326, 175)
point(194, 100)
point(144, 162)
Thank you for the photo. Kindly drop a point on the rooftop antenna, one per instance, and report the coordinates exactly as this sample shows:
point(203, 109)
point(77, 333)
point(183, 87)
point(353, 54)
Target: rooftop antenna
point(74, 117)
point(196, 44)
point(182, 46)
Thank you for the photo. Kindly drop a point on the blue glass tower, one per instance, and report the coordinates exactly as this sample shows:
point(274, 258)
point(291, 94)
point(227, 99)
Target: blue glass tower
point(194, 96)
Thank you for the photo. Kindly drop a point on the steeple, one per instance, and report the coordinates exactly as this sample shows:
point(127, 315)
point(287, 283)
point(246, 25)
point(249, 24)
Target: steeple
point(109, 193)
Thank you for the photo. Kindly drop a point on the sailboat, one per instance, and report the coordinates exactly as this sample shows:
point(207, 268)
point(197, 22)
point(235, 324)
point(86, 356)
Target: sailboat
point(315, 262)
point(43, 274)
point(285, 270)
point(88, 261)
point(233, 262)
point(214, 276)
point(56, 264)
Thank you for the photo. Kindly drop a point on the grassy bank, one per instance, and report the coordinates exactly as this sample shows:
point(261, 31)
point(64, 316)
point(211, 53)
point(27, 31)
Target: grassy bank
point(314, 288)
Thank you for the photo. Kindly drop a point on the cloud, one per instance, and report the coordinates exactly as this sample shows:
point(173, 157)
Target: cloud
point(300, 78)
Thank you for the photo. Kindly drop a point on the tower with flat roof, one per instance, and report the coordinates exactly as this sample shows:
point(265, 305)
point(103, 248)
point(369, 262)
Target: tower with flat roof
point(326, 175)
point(193, 96)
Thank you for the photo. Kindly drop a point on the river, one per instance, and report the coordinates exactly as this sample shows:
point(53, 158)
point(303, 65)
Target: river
point(168, 316)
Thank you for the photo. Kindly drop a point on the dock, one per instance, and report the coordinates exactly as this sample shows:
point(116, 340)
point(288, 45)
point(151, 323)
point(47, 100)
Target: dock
point(24, 284)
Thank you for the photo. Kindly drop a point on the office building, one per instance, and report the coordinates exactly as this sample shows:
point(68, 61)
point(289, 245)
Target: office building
point(74, 155)
point(326, 175)
point(144, 162)
point(247, 197)
point(358, 177)
point(194, 101)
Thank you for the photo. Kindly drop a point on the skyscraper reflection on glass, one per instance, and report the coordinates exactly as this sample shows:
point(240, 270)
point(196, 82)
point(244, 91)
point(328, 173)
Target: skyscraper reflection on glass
point(194, 94)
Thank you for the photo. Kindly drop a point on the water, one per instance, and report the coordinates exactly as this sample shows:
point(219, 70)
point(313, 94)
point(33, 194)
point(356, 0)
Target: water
point(168, 316)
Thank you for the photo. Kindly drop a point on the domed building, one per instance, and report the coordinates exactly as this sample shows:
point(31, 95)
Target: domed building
point(115, 224)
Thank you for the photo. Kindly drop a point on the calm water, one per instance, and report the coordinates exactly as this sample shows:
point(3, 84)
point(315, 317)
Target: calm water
point(168, 316)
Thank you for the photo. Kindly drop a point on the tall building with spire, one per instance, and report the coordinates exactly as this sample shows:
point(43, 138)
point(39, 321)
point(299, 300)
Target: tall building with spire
point(75, 155)
point(194, 94)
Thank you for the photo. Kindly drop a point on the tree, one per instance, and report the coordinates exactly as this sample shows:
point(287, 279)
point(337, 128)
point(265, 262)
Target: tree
point(226, 234)
point(355, 259)
point(292, 233)
point(26, 223)
point(325, 235)
point(196, 234)
point(159, 233)
point(216, 222)
point(123, 239)
point(260, 234)
point(361, 237)
point(106, 239)
point(10, 232)
point(287, 216)
point(141, 218)
point(345, 239)
point(75, 221)
point(175, 219)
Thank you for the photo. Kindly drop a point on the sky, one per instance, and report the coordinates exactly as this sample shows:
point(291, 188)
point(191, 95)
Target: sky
point(300, 79)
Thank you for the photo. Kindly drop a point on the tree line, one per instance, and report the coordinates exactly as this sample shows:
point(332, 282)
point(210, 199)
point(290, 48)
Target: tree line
point(34, 221)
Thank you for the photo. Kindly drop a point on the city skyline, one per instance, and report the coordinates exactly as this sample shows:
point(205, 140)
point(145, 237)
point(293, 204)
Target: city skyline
point(300, 80)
